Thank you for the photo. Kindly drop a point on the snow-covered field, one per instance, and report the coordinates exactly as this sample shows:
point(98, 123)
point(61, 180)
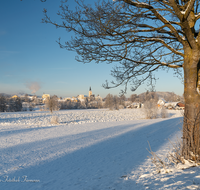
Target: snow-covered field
point(88, 150)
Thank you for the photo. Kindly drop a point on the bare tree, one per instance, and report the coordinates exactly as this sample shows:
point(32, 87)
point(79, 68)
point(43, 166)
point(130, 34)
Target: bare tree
point(14, 104)
point(112, 102)
point(52, 103)
point(121, 101)
point(141, 36)
point(66, 105)
point(109, 101)
point(86, 101)
point(2, 103)
point(133, 97)
point(151, 96)
point(151, 109)
point(116, 102)
point(99, 104)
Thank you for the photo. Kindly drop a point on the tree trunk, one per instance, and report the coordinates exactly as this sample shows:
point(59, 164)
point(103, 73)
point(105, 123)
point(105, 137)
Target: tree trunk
point(191, 132)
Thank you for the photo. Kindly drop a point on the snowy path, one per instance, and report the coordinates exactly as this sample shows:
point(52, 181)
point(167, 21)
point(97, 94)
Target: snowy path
point(92, 155)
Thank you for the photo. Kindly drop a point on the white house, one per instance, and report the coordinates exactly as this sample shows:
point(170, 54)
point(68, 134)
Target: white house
point(161, 102)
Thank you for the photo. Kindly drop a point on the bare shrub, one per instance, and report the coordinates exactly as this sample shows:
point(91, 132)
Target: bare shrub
point(150, 109)
point(159, 163)
point(175, 155)
point(174, 158)
point(164, 162)
point(164, 112)
point(121, 106)
point(54, 120)
point(181, 154)
point(52, 104)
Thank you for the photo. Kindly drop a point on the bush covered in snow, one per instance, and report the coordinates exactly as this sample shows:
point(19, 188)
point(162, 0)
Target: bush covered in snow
point(150, 109)
point(54, 120)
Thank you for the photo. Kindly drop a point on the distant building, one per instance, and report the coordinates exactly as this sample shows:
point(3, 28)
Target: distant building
point(170, 105)
point(82, 97)
point(98, 98)
point(180, 106)
point(135, 105)
point(45, 97)
point(15, 96)
point(161, 102)
point(90, 92)
point(67, 99)
point(74, 99)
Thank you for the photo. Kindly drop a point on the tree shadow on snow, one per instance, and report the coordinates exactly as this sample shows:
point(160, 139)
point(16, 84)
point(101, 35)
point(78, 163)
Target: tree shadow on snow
point(107, 155)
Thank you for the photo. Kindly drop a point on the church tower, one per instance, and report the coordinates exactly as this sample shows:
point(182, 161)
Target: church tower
point(90, 92)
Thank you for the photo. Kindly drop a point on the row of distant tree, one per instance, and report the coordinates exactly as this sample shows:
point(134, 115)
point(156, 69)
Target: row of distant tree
point(167, 96)
point(112, 102)
point(8, 104)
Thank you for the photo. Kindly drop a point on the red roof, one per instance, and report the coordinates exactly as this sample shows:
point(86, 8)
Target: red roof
point(181, 105)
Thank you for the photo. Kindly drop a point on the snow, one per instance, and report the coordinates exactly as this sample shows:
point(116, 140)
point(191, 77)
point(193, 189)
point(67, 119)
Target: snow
point(183, 12)
point(89, 149)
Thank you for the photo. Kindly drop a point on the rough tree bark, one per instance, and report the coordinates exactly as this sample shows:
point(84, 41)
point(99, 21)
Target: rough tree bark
point(191, 135)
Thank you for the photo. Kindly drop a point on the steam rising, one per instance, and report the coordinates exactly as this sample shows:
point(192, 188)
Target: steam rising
point(33, 86)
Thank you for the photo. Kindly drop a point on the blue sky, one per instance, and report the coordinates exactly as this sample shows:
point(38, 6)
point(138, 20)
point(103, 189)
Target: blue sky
point(29, 53)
